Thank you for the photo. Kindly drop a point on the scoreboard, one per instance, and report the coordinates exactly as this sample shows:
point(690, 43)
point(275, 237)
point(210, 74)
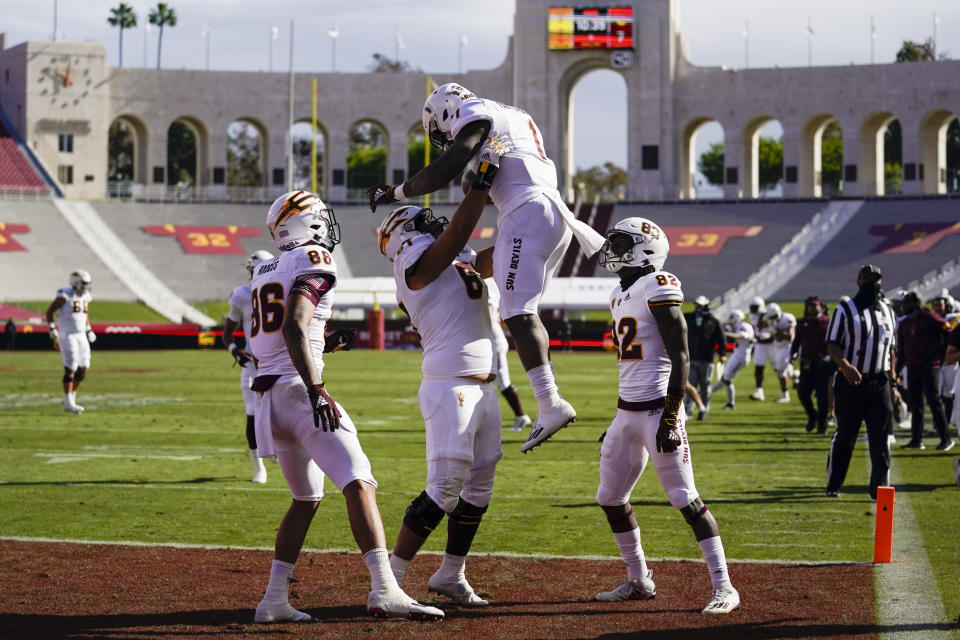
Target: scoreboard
point(590, 28)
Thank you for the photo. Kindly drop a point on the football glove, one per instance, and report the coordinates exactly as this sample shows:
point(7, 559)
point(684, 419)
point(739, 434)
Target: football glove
point(241, 356)
point(325, 412)
point(488, 161)
point(55, 337)
point(381, 194)
point(668, 440)
point(340, 340)
point(91, 336)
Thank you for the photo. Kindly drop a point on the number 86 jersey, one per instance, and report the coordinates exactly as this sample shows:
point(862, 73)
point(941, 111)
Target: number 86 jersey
point(312, 270)
point(644, 364)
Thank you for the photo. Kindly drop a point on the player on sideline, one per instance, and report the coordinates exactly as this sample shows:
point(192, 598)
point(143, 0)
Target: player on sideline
point(74, 336)
point(500, 349)
point(651, 334)
point(239, 316)
point(447, 303)
point(297, 420)
point(784, 328)
point(533, 233)
point(741, 332)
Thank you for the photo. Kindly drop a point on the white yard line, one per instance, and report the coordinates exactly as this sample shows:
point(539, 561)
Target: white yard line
point(907, 597)
point(540, 556)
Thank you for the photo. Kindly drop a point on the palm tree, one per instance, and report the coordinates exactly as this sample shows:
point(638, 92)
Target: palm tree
point(162, 15)
point(122, 16)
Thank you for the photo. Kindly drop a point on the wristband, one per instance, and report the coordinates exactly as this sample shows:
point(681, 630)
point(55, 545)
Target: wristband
point(318, 387)
point(398, 192)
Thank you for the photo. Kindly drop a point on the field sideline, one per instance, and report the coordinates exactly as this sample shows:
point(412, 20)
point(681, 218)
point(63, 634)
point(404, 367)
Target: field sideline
point(159, 458)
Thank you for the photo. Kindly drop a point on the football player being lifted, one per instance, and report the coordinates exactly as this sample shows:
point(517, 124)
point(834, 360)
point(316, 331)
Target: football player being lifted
point(651, 336)
point(447, 303)
point(239, 317)
point(532, 236)
point(72, 335)
point(297, 420)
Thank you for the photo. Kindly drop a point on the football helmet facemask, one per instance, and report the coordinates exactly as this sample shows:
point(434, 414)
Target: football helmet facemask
point(634, 242)
point(735, 317)
point(757, 305)
point(403, 224)
point(773, 312)
point(80, 280)
point(438, 112)
point(256, 258)
point(298, 217)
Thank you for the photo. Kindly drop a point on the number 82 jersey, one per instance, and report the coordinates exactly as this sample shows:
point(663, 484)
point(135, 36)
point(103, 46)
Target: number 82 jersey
point(311, 269)
point(644, 364)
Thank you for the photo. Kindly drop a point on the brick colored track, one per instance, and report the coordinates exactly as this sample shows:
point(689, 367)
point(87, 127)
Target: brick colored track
point(59, 590)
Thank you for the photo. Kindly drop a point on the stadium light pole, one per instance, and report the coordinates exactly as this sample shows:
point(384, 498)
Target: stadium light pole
point(289, 135)
point(463, 43)
point(746, 44)
point(146, 42)
point(873, 37)
point(936, 32)
point(274, 34)
point(205, 32)
point(397, 43)
point(334, 33)
point(810, 34)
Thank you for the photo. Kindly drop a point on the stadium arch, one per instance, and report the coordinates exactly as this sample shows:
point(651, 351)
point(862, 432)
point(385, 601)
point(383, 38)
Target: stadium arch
point(933, 149)
point(300, 146)
point(688, 155)
point(190, 154)
point(127, 135)
point(235, 130)
point(809, 175)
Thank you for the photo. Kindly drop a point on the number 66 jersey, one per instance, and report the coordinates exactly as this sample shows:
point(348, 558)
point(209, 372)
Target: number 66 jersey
point(312, 271)
point(644, 364)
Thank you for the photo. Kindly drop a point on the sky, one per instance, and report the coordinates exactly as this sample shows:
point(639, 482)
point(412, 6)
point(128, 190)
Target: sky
point(239, 36)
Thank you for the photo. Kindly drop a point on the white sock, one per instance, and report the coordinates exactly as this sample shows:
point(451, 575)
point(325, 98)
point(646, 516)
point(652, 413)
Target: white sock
point(543, 384)
point(279, 585)
point(381, 576)
point(257, 462)
point(731, 393)
point(452, 565)
point(632, 553)
point(73, 397)
point(399, 568)
point(712, 551)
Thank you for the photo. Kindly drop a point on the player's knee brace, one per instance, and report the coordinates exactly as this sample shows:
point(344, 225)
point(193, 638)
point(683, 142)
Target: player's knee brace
point(423, 515)
point(694, 511)
point(68, 375)
point(467, 514)
point(80, 375)
point(618, 516)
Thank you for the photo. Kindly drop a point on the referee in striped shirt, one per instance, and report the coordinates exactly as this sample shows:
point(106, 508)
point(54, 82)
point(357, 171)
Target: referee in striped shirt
point(860, 339)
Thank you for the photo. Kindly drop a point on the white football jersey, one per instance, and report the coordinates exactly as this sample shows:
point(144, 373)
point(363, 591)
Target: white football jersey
point(644, 364)
point(73, 313)
point(525, 170)
point(241, 307)
point(742, 344)
point(270, 286)
point(450, 314)
point(786, 321)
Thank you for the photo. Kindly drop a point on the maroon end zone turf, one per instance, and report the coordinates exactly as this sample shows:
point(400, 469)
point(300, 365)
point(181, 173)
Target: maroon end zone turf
point(58, 590)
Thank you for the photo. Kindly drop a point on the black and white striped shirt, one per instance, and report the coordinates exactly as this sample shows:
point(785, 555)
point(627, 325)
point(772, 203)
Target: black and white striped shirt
point(866, 336)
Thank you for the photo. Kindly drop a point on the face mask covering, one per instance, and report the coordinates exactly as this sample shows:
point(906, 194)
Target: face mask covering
point(867, 295)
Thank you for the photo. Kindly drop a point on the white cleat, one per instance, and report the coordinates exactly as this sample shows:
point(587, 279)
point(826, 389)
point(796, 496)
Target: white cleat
point(757, 395)
point(784, 398)
point(548, 422)
point(259, 476)
point(71, 407)
point(635, 589)
point(723, 600)
point(457, 589)
point(520, 422)
point(276, 613)
point(397, 604)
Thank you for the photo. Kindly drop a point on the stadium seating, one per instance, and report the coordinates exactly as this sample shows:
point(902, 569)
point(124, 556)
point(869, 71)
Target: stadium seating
point(16, 174)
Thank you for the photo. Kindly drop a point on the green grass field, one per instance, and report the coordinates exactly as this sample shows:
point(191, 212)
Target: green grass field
point(160, 456)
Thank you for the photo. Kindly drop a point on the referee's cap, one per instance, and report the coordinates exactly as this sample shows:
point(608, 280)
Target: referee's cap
point(702, 301)
point(897, 295)
point(870, 272)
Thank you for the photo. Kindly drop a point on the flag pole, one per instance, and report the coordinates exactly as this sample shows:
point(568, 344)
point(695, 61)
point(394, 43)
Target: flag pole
point(313, 140)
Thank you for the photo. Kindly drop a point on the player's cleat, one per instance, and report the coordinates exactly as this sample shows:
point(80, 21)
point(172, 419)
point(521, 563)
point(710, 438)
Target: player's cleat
point(891, 439)
point(275, 613)
point(811, 424)
point(832, 421)
point(397, 604)
point(956, 471)
point(945, 445)
point(457, 589)
point(520, 422)
point(723, 600)
point(635, 589)
point(549, 421)
point(259, 471)
point(757, 395)
point(729, 406)
point(833, 493)
point(71, 406)
point(702, 414)
point(914, 444)
point(784, 397)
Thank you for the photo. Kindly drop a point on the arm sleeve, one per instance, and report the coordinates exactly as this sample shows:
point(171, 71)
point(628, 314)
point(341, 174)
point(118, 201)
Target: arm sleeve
point(312, 286)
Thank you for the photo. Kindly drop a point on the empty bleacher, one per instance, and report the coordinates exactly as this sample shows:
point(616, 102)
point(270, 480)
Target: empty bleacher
point(16, 174)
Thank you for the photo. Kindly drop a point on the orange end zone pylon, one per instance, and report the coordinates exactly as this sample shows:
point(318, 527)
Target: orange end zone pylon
point(883, 537)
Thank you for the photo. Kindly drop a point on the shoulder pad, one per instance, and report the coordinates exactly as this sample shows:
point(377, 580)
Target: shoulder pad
point(470, 111)
point(312, 259)
point(663, 286)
